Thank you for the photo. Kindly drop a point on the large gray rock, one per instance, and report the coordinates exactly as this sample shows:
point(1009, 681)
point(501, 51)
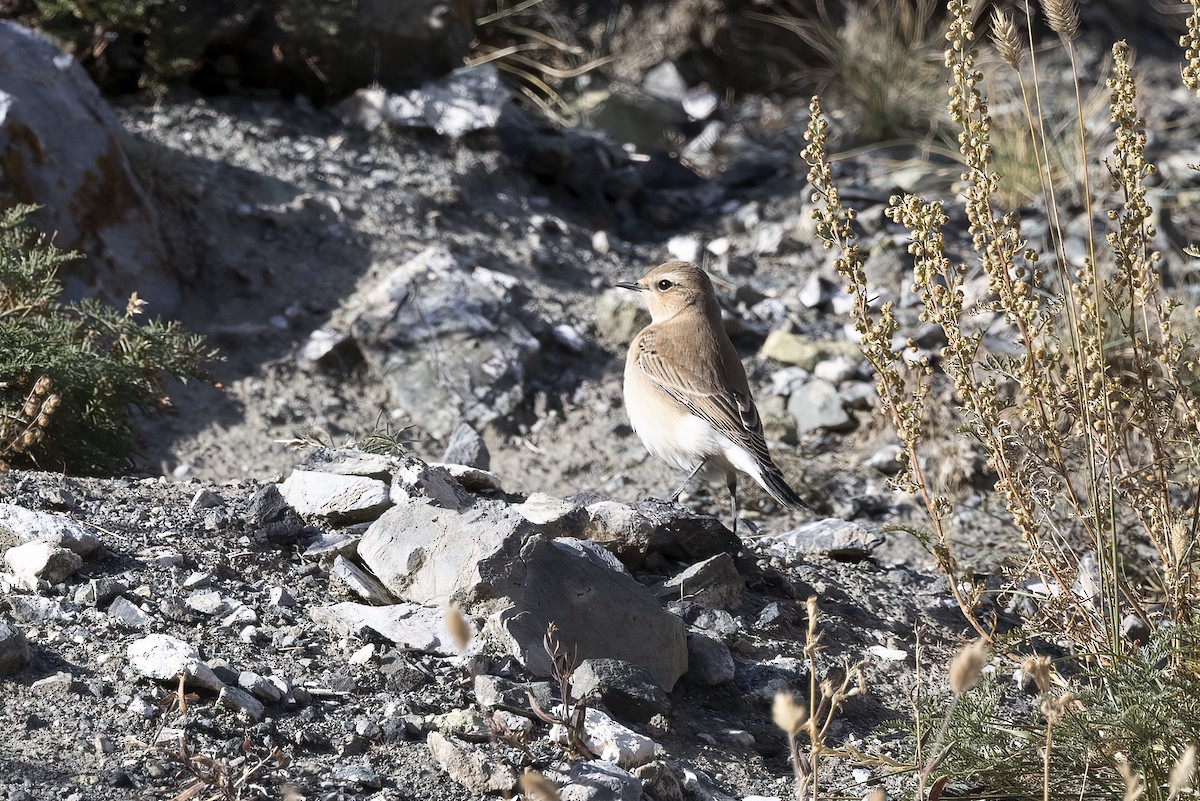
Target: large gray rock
point(26, 525)
point(489, 555)
point(599, 611)
point(445, 341)
point(63, 150)
point(627, 691)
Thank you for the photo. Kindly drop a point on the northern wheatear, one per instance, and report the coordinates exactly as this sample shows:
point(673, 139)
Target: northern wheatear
point(685, 388)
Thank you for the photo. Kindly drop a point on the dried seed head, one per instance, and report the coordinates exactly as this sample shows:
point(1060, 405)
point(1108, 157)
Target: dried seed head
point(788, 713)
point(1055, 708)
point(1134, 786)
point(813, 616)
point(1063, 16)
point(1182, 773)
point(878, 794)
point(537, 787)
point(460, 630)
point(135, 306)
point(1037, 668)
point(42, 386)
point(966, 666)
point(1005, 37)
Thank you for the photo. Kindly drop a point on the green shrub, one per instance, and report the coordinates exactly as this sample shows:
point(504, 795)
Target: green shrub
point(73, 374)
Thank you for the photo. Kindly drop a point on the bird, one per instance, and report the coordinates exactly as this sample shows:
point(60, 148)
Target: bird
point(686, 391)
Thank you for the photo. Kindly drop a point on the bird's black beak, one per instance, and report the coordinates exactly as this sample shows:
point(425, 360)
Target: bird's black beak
point(628, 285)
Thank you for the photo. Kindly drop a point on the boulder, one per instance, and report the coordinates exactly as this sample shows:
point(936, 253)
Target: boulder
point(64, 149)
point(446, 343)
point(599, 611)
point(424, 553)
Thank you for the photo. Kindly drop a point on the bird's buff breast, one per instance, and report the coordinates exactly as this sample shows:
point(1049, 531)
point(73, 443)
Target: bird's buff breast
point(668, 431)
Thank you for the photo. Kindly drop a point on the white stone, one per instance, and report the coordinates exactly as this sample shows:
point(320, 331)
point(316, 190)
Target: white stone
point(163, 658)
point(42, 559)
point(888, 654)
point(608, 739)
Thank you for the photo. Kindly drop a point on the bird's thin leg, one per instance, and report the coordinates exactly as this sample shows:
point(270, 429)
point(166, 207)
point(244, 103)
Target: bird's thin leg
point(731, 482)
point(675, 495)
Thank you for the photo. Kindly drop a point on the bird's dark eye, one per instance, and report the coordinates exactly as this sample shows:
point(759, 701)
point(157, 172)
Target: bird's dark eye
point(664, 285)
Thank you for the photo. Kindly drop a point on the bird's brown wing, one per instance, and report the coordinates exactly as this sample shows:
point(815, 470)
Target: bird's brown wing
point(698, 380)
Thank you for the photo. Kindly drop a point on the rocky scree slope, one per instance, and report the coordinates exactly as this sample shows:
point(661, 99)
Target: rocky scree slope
point(308, 621)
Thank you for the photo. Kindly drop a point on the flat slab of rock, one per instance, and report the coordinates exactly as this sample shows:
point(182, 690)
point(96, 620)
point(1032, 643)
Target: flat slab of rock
point(474, 768)
point(672, 530)
point(411, 626)
point(424, 553)
point(350, 462)
point(27, 525)
point(360, 582)
point(336, 498)
point(554, 516)
point(714, 582)
point(837, 539)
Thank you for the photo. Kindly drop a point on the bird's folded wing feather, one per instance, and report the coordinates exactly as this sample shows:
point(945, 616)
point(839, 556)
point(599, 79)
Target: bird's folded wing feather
point(698, 383)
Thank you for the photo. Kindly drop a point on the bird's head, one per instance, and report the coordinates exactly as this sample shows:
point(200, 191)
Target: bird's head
point(673, 287)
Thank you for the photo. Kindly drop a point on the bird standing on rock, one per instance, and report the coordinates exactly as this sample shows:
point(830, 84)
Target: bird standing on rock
point(686, 391)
